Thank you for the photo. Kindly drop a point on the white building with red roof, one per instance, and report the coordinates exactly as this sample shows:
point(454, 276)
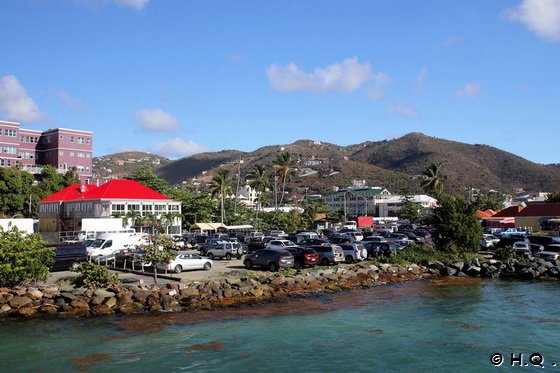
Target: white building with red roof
point(63, 211)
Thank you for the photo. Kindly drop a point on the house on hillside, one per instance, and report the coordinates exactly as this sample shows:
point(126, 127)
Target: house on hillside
point(62, 212)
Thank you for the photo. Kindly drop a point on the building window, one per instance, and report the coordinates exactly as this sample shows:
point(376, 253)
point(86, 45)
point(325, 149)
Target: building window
point(10, 132)
point(71, 138)
point(71, 154)
point(134, 207)
point(81, 155)
point(147, 209)
point(9, 150)
point(118, 208)
point(61, 137)
point(61, 152)
point(160, 209)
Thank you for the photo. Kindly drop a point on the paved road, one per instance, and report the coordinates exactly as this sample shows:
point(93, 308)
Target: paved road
point(220, 267)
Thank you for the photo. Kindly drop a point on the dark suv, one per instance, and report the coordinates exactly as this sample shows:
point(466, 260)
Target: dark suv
point(272, 259)
point(68, 256)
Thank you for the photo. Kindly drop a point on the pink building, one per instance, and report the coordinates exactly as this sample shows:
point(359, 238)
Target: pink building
point(61, 148)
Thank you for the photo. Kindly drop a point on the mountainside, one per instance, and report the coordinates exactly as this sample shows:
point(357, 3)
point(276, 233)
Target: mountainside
point(395, 164)
point(479, 166)
point(119, 165)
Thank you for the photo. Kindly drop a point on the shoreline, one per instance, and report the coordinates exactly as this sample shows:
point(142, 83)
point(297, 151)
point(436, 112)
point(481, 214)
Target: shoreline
point(245, 287)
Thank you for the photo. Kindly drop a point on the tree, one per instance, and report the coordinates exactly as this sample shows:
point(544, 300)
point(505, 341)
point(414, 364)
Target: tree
point(145, 175)
point(411, 210)
point(258, 180)
point(159, 248)
point(15, 192)
point(458, 228)
point(195, 207)
point(23, 257)
point(553, 197)
point(221, 187)
point(284, 169)
point(489, 201)
point(433, 184)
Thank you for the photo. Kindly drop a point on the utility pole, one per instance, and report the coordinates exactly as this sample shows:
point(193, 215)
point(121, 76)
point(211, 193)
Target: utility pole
point(237, 188)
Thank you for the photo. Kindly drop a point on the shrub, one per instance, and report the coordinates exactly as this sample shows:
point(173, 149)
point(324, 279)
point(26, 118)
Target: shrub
point(504, 253)
point(95, 276)
point(422, 255)
point(23, 257)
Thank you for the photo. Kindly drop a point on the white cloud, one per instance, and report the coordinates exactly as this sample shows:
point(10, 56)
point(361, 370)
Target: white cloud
point(137, 5)
point(134, 4)
point(452, 41)
point(376, 89)
point(470, 90)
point(345, 77)
point(156, 120)
point(422, 79)
point(67, 100)
point(540, 16)
point(177, 148)
point(15, 104)
point(400, 109)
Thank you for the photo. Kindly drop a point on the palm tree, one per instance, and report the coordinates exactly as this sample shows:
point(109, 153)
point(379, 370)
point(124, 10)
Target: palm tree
point(434, 180)
point(284, 169)
point(259, 181)
point(221, 186)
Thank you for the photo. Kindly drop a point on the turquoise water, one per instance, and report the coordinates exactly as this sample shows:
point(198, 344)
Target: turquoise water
point(444, 326)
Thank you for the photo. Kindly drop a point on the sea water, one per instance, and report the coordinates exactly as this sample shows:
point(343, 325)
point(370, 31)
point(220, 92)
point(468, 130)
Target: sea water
point(454, 325)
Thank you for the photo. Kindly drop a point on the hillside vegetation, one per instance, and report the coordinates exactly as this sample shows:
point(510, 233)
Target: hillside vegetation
point(395, 164)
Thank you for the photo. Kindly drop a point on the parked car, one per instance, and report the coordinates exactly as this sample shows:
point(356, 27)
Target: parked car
point(543, 240)
point(329, 254)
point(376, 249)
point(354, 252)
point(303, 256)
point(313, 242)
point(414, 238)
point(279, 244)
point(225, 250)
point(68, 256)
point(552, 252)
point(374, 239)
point(340, 238)
point(272, 259)
point(186, 261)
point(210, 243)
point(490, 237)
point(522, 248)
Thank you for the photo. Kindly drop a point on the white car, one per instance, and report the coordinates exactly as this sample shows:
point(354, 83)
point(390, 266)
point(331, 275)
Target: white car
point(185, 262)
point(279, 244)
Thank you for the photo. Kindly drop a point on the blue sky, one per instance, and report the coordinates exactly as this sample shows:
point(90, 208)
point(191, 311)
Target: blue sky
point(178, 77)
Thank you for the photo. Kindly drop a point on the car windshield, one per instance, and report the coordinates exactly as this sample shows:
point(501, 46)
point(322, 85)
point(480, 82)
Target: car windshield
point(97, 243)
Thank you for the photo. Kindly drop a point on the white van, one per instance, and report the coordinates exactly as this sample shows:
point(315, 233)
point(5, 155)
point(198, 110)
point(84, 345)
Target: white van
point(108, 244)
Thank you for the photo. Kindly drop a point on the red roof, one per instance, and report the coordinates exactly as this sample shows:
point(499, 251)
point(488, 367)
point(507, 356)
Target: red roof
point(541, 209)
point(114, 189)
point(510, 212)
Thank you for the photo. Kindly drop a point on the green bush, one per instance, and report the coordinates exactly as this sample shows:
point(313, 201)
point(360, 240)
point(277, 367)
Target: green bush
point(504, 253)
point(95, 276)
point(23, 257)
point(416, 254)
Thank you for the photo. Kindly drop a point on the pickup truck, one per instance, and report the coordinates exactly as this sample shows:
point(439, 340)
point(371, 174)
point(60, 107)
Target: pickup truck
point(226, 250)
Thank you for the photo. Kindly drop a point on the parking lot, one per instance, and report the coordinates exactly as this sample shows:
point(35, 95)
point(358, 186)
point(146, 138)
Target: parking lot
point(217, 271)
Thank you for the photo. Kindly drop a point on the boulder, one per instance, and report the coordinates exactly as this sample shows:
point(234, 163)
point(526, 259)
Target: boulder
point(34, 293)
point(5, 297)
point(19, 301)
point(101, 309)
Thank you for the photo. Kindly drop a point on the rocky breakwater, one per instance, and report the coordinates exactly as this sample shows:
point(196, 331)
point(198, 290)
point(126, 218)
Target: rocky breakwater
point(245, 287)
point(525, 269)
